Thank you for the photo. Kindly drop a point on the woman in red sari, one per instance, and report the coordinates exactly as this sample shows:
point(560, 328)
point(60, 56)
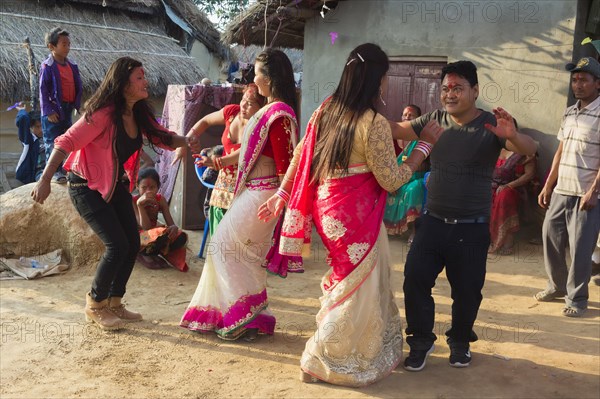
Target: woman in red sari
point(339, 178)
point(511, 177)
point(235, 118)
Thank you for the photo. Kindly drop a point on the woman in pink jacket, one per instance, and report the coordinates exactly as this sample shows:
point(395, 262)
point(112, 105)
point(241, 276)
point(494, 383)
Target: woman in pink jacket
point(100, 149)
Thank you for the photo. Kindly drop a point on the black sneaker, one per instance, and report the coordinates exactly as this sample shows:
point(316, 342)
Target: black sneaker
point(417, 358)
point(460, 355)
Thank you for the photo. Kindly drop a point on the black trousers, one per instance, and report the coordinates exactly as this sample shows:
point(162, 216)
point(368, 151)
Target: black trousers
point(462, 249)
point(115, 223)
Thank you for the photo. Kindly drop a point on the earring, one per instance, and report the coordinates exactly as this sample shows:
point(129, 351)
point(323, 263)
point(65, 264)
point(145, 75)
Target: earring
point(381, 97)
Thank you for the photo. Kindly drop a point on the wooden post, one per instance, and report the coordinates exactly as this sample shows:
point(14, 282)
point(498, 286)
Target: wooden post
point(33, 73)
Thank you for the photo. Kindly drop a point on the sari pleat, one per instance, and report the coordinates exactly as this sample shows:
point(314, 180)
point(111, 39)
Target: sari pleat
point(358, 339)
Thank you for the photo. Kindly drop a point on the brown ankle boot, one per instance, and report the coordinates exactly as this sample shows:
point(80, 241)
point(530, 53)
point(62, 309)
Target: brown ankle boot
point(115, 306)
point(305, 377)
point(99, 313)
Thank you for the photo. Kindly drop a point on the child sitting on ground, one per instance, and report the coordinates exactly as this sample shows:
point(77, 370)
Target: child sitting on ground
point(160, 245)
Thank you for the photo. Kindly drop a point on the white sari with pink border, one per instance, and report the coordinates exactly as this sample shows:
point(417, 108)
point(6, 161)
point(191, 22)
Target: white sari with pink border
point(232, 296)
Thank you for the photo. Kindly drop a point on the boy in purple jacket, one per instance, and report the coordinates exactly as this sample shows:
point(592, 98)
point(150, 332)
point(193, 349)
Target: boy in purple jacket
point(60, 91)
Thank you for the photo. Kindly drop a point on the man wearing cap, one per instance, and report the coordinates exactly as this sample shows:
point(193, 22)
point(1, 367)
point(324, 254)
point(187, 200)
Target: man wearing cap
point(573, 216)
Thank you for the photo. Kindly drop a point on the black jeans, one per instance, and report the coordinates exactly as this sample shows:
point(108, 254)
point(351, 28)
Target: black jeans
point(115, 223)
point(462, 248)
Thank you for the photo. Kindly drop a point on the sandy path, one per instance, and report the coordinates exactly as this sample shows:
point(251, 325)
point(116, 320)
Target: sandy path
point(47, 349)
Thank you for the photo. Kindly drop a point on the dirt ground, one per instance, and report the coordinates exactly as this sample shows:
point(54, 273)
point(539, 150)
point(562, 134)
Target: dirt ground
point(526, 349)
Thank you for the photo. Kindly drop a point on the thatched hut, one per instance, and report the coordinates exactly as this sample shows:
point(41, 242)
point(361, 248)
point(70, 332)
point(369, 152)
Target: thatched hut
point(520, 49)
point(175, 41)
point(268, 23)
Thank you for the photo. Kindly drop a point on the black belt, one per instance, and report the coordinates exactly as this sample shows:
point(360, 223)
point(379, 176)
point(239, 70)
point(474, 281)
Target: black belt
point(480, 219)
point(76, 185)
point(75, 181)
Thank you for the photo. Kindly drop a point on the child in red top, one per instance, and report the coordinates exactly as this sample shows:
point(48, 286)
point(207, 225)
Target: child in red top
point(158, 242)
point(60, 91)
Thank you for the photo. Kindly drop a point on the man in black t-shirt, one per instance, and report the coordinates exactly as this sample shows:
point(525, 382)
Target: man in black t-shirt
point(454, 229)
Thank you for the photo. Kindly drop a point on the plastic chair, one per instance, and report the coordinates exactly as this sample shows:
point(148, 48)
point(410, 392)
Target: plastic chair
point(199, 172)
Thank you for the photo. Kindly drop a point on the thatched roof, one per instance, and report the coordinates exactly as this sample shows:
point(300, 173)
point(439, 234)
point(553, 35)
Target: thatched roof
point(184, 13)
point(284, 25)
point(141, 6)
point(248, 55)
point(99, 35)
point(198, 25)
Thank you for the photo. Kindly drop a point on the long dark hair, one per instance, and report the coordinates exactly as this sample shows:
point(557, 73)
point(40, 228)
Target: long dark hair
point(356, 93)
point(278, 68)
point(110, 92)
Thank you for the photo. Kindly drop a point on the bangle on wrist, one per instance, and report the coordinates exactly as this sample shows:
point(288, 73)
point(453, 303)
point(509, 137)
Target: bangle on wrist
point(424, 147)
point(281, 193)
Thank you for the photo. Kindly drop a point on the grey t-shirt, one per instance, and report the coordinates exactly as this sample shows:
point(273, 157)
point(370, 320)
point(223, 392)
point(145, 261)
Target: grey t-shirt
point(462, 163)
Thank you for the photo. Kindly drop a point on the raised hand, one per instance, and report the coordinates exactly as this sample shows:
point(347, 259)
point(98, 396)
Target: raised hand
point(505, 124)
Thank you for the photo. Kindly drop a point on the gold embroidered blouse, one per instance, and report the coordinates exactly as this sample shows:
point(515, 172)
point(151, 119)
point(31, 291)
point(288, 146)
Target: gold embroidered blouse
point(374, 147)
